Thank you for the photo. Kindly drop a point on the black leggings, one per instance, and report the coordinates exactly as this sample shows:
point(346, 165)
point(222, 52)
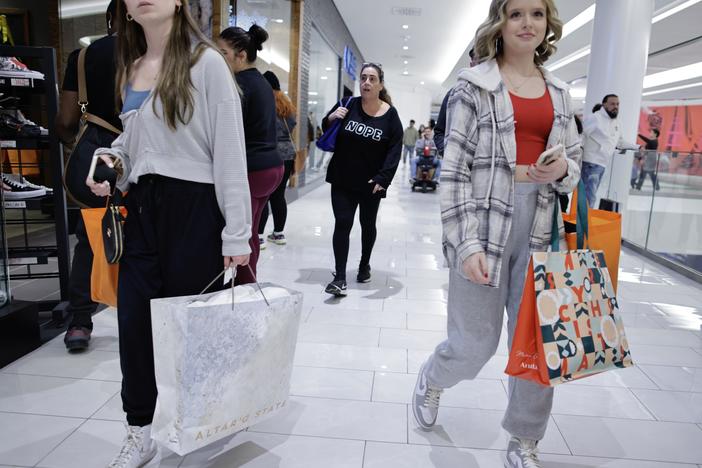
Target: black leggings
point(344, 203)
point(279, 206)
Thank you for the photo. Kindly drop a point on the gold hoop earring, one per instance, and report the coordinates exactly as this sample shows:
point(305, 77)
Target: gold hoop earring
point(130, 17)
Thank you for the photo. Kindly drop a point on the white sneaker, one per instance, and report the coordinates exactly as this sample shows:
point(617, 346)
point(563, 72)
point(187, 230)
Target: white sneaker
point(522, 453)
point(425, 401)
point(137, 450)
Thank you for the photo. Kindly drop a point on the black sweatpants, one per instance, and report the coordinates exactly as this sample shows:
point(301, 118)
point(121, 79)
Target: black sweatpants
point(279, 206)
point(80, 302)
point(344, 203)
point(173, 247)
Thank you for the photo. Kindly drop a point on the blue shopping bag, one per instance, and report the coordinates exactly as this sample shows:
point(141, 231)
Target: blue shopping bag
point(327, 142)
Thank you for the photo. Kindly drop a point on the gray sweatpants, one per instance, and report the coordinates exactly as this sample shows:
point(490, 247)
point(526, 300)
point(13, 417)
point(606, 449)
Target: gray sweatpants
point(475, 322)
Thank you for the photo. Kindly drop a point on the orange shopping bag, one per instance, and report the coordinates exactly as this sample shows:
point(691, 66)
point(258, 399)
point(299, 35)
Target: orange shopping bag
point(526, 360)
point(103, 277)
point(569, 325)
point(604, 232)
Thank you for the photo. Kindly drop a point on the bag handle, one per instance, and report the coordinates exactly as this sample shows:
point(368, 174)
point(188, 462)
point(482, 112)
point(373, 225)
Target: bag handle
point(82, 87)
point(290, 135)
point(233, 277)
point(83, 97)
point(579, 208)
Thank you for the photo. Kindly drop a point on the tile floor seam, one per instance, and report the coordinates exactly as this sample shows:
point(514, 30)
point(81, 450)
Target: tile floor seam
point(363, 459)
point(372, 387)
point(41, 415)
point(565, 441)
point(104, 404)
point(648, 410)
point(61, 442)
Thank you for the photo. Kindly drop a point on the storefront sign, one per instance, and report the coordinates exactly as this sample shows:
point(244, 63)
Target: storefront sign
point(350, 63)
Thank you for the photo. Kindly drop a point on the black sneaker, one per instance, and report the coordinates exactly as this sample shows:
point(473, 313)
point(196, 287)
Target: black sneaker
point(18, 188)
point(337, 288)
point(77, 338)
point(364, 274)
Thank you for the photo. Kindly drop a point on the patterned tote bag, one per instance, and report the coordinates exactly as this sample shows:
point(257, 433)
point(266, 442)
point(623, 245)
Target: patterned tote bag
point(569, 326)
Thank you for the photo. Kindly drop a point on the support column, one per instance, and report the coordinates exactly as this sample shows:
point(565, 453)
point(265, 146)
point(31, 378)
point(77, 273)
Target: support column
point(618, 60)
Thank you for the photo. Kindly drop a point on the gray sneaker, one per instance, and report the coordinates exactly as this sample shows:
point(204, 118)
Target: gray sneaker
point(522, 453)
point(425, 401)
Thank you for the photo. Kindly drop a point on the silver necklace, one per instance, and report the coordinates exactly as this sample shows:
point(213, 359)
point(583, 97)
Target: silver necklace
point(516, 88)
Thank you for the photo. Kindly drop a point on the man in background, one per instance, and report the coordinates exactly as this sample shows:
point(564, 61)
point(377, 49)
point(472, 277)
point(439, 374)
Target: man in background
point(408, 140)
point(601, 137)
point(100, 82)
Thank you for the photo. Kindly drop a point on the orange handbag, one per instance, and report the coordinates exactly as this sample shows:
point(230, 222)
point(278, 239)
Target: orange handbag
point(103, 277)
point(604, 233)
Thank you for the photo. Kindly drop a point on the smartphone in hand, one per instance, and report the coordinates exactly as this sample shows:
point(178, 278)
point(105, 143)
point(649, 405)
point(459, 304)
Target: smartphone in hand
point(550, 155)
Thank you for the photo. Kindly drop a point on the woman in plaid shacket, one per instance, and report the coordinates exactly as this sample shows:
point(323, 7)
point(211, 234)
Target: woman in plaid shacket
point(497, 205)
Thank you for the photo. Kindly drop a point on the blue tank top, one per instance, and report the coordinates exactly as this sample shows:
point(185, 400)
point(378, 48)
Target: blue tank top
point(133, 99)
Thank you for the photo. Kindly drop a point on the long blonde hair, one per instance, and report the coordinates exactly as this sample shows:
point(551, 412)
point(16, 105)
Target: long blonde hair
point(174, 87)
point(488, 37)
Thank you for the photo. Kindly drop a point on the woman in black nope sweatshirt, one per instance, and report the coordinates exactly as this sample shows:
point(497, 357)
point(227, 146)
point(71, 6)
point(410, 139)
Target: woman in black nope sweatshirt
point(368, 149)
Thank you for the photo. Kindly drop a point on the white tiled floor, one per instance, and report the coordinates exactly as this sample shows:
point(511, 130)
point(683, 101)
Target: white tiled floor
point(356, 364)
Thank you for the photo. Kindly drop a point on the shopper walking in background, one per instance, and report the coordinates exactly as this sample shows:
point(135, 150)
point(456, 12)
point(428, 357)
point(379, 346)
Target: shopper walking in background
point(285, 123)
point(99, 72)
point(601, 137)
point(264, 164)
point(497, 206)
point(409, 139)
point(184, 165)
point(648, 160)
point(368, 149)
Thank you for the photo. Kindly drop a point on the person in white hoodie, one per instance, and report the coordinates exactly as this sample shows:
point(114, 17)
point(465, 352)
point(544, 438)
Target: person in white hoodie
point(497, 206)
point(601, 137)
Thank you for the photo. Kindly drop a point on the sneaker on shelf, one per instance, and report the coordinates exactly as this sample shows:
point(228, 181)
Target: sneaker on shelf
point(425, 401)
point(19, 189)
point(364, 274)
point(337, 287)
point(22, 120)
point(77, 338)
point(522, 453)
point(277, 238)
point(11, 66)
point(137, 449)
point(48, 190)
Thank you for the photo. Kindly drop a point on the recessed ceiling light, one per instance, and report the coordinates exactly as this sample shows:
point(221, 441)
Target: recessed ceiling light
point(421, 83)
point(329, 69)
point(323, 78)
point(313, 93)
point(405, 26)
point(406, 62)
point(405, 47)
point(405, 72)
point(278, 20)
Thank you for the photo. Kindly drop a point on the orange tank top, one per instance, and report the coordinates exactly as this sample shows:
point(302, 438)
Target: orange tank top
point(533, 120)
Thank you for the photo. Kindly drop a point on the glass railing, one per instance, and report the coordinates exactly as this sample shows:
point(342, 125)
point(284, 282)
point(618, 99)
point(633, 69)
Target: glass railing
point(664, 211)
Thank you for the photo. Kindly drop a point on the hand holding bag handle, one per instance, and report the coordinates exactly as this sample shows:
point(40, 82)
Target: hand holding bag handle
point(233, 276)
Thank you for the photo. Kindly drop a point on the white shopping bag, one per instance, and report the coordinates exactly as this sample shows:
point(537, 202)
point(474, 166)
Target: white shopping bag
point(220, 369)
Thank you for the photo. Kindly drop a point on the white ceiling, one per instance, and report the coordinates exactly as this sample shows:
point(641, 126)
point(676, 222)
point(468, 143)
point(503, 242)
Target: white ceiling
point(446, 25)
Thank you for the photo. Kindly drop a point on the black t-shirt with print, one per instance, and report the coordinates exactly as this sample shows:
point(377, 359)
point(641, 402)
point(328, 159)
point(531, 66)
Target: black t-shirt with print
point(366, 148)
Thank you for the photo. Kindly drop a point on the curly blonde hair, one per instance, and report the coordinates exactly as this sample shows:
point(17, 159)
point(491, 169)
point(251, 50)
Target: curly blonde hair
point(486, 38)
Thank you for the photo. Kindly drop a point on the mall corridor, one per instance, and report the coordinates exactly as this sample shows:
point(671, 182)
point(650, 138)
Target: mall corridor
point(356, 364)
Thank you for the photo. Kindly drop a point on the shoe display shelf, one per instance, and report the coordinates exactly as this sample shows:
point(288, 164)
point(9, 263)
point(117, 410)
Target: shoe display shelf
point(34, 217)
